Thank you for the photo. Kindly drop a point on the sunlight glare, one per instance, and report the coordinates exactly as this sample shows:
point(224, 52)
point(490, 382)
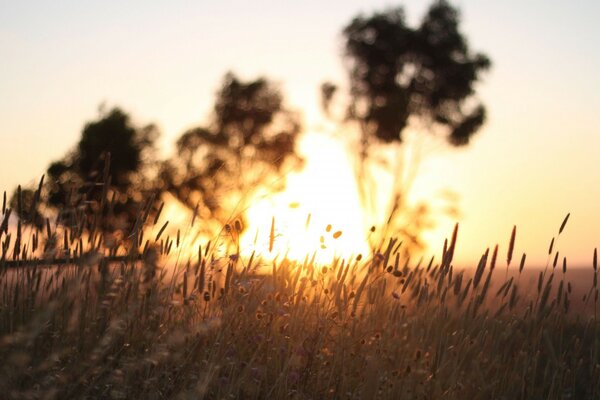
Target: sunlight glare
point(318, 204)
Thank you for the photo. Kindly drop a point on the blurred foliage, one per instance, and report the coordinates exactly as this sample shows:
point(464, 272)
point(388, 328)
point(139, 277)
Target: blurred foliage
point(249, 141)
point(398, 73)
point(25, 202)
point(403, 78)
point(106, 174)
point(114, 169)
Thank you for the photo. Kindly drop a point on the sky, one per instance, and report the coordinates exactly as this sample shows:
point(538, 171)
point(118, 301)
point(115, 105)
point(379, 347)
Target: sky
point(532, 163)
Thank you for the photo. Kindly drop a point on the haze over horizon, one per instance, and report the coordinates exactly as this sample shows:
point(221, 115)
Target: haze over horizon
point(531, 164)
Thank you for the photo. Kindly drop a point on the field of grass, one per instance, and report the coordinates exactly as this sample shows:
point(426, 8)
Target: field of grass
point(149, 322)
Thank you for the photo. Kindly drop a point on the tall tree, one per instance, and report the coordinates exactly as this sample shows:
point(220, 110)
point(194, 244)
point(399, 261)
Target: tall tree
point(109, 165)
point(427, 73)
point(247, 145)
point(401, 77)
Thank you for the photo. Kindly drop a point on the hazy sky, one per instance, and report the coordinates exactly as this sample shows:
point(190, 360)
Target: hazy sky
point(534, 161)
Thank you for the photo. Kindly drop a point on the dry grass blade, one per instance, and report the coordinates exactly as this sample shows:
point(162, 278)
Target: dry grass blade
point(36, 199)
point(564, 223)
point(359, 292)
point(522, 264)
point(511, 246)
point(157, 216)
point(452, 247)
point(19, 201)
point(160, 232)
point(480, 269)
point(272, 234)
point(494, 256)
point(4, 226)
point(195, 214)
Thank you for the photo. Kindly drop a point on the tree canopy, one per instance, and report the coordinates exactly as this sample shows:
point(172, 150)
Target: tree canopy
point(250, 138)
point(248, 143)
point(403, 77)
point(400, 74)
point(112, 158)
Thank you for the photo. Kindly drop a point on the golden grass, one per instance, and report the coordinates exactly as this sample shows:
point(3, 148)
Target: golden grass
point(145, 322)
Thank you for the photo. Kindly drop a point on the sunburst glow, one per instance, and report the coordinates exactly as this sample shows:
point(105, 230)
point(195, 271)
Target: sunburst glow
point(317, 211)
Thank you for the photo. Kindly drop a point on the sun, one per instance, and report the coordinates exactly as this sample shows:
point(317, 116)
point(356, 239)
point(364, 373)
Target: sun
point(318, 213)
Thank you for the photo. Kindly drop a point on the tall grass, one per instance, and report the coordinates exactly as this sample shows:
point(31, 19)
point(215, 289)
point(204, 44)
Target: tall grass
point(147, 321)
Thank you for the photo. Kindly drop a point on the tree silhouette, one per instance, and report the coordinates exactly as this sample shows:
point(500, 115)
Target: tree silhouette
point(403, 77)
point(106, 173)
point(250, 139)
point(25, 202)
point(398, 73)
